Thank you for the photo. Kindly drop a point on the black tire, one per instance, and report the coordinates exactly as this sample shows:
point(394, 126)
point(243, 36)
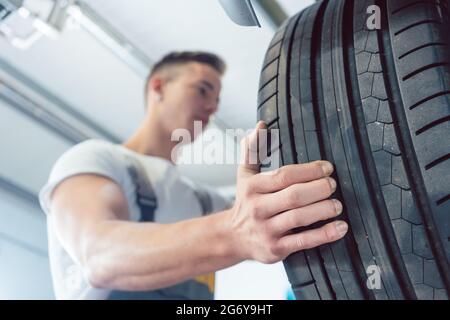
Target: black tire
point(376, 103)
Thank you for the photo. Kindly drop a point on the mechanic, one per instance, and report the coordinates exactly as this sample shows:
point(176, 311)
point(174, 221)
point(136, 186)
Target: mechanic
point(107, 242)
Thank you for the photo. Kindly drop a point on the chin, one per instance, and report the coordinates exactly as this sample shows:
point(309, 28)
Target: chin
point(196, 128)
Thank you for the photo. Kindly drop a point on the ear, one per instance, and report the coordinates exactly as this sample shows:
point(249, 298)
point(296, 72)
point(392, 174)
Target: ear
point(155, 87)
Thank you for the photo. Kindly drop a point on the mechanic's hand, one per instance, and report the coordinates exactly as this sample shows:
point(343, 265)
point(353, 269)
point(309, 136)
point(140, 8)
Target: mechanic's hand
point(270, 204)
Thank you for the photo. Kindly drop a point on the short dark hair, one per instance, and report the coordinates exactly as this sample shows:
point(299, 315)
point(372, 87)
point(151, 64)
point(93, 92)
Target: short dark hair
point(183, 57)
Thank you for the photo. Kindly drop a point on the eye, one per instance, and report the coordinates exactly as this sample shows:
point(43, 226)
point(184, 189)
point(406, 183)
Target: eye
point(203, 92)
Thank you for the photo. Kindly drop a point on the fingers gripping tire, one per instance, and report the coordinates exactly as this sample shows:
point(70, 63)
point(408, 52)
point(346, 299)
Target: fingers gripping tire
point(376, 103)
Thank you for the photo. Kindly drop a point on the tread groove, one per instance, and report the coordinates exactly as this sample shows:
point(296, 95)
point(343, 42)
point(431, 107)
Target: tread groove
point(268, 81)
point(272, 122)
point(318, 103)
point(288, 92)
point(275, 43)
point(412, 4)
point(349, 49)
point(443, 199)
point(432, 124)
point(315, 81)
point(421, 47)
point(424, 68)
point(267, 99)
point(394, 256)
point(304, 284)
point(415, 25)
point(436, 95)
point(437, 161)
point(267, 64)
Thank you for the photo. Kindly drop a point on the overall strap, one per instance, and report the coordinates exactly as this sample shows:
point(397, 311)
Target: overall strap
point(205, 200)
point(145, 195)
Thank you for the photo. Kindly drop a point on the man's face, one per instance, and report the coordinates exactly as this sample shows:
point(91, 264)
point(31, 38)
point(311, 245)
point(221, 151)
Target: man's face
point(192, 95)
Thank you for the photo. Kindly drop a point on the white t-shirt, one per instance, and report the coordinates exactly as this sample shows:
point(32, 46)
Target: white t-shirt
point(175, 194)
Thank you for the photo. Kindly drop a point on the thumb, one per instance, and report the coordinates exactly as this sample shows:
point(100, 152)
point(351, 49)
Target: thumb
point(250, 162)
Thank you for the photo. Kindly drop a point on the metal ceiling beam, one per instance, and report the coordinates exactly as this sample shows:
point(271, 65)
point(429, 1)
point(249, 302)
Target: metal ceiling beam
point(32, 199)
point(19, 191)
point(81, 127)
point(40, 115)
point(24, 245)
point(111, 38)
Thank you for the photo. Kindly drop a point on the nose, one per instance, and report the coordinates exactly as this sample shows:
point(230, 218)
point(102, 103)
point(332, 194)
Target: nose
point(211, 108)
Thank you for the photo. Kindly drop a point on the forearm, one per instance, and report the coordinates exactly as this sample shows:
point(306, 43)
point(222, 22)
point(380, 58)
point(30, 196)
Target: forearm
point(146, 256)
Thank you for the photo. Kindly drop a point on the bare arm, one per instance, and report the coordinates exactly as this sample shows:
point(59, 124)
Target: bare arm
point(92, 220)
point(90, 214)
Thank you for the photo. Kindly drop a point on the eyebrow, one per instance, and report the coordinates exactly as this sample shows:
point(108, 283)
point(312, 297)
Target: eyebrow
point(208, 84)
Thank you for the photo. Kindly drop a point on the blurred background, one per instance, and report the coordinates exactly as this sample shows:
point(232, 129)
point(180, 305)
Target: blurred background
point(73, 70)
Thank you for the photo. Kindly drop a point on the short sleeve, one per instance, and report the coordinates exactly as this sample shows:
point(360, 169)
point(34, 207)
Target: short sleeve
point(91, 156)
